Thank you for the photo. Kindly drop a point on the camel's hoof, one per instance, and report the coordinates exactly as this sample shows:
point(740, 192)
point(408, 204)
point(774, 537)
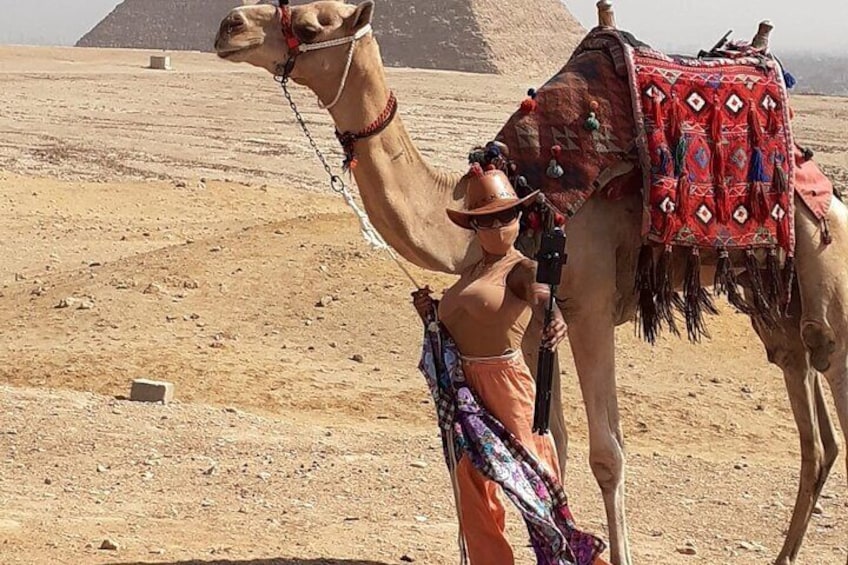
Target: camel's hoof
point(820, 342)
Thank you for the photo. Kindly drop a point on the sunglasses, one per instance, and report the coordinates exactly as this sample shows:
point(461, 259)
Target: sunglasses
point(503, 218)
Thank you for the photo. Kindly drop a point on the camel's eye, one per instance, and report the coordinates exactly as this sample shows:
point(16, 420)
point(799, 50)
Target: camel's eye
point(307, 32)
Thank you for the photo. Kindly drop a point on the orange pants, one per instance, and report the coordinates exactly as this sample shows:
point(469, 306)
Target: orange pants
point(506, 388)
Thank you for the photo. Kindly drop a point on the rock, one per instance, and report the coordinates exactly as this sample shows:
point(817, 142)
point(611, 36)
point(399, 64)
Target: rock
point(86, 305)
point(818, 509)
point(109, 545)
point(180, 184)
point(750, 546)
point(102, 468)
point(407, 558)
point(48, 481)
point(216, 249)
point(418, 464)
point(358, 358)
point(67, 302)
point(746, 389)
point(324, 302)
point(152, 288)
point(687, 549)
point(144, 390)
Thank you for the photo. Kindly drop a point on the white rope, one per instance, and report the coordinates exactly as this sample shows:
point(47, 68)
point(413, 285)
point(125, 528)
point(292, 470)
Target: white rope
point(372, 236)
point(306, 47)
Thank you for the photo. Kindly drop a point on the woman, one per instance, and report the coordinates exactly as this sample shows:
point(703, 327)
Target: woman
point(487, 313)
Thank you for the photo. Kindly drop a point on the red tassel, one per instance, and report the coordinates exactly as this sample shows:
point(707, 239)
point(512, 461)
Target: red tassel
point(771, 126)
point(722, 204)
point(684, 207)
point(669, 228)
point(758, 202)
point(528, 105)
point(657, 114)
point(755, 126)
point(719, 162)
point(676, 120)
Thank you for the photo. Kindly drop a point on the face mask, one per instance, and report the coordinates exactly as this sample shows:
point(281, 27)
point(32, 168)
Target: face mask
point(498, 241)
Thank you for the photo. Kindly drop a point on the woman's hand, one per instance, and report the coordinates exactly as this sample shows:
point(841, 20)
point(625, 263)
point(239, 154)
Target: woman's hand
point(424, 303)
point(555, 333)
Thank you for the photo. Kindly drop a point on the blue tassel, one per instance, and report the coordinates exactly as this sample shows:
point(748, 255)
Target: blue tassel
point(789, 79)
point(757, 171)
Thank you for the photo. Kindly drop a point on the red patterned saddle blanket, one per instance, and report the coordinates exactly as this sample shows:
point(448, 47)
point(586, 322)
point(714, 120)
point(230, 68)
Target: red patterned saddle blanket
point(717, 161)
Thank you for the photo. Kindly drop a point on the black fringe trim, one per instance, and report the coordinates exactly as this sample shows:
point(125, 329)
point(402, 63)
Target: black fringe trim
point(788, 282)
point(774, 280)
point(647, 317)
point(759, 296)
point(727, 284)
point(666, 299)
point(696, 300)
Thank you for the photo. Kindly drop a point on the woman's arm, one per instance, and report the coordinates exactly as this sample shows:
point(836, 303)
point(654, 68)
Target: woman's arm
point(522, 282)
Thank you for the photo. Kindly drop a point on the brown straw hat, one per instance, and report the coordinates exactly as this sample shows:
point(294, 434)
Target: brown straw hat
point(488, 192)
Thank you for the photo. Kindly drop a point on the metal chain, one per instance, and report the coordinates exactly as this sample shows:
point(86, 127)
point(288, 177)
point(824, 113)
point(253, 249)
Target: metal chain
point(337, 184)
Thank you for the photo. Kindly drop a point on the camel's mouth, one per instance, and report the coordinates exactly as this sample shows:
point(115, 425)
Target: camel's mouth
point(230, 51)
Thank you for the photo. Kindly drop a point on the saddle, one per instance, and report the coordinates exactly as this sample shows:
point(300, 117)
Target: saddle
point(717, 162)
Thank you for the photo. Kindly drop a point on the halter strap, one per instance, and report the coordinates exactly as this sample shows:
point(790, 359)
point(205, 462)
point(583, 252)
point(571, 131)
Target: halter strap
point(297, 47)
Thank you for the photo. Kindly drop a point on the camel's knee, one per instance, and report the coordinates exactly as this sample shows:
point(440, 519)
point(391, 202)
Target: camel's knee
point(820, 341)
point(607, 465)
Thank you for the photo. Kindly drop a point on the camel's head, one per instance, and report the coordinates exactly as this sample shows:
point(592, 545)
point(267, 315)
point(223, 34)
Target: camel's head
point(256, 35)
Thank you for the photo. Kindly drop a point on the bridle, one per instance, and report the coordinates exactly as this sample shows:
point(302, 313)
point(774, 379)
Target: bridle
point(296, 48)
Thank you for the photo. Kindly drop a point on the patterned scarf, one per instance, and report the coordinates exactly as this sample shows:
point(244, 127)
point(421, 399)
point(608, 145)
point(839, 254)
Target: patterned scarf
point(500, 457)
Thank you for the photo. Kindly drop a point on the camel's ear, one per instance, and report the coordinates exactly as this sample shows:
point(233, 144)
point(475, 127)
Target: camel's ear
point(362, 16)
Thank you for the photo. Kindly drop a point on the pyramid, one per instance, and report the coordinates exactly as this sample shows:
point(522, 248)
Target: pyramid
point(524, 38)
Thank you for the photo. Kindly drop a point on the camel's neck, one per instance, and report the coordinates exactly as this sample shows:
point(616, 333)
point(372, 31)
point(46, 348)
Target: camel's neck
point(405, 198)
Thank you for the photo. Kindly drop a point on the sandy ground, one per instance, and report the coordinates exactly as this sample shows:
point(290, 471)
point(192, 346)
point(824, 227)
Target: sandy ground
point(185, 214)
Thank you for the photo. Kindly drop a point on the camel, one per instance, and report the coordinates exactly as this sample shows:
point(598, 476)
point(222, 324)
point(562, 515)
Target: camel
point(405, 198)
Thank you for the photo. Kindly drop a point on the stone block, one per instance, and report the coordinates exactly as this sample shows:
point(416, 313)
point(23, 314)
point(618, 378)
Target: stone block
point(144, 390)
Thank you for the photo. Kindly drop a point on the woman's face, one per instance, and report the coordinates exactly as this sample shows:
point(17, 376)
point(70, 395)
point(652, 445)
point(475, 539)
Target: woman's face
point(497, 233)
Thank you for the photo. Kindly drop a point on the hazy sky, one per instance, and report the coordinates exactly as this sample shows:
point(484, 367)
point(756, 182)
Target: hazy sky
point(663, 23)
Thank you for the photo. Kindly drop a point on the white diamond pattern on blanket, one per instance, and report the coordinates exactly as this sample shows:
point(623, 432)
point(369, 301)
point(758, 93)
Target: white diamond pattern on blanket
point(704, 214)
point(696, 102)
point(654, 92)
point(741, 215)
point(768, 102)
point(778, 213)
point(734, 104)
point(667, 205)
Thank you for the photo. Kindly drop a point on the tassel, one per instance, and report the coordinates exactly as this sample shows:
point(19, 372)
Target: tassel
point(780, 183)
point(696, 301)
point(759, 299)
point(684, 202)
point(774, 282)
point(656, 114)
point(788, 283)
point(726, 283)
point(676, 120)
point(680, 155)
point(757, 202)
point(783, 235)
point(646, 313)
point(723, 211)
point(669, 228)
point(666, 299)
point(722, 204)
point(665, 161)
point(757, 169)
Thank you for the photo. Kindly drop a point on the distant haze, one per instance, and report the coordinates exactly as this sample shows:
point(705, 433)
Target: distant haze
point(668, 24)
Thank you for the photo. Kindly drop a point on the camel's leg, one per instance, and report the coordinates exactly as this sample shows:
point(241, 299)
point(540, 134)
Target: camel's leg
point(530, 349)
point(592, 336)
point(786, 350)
